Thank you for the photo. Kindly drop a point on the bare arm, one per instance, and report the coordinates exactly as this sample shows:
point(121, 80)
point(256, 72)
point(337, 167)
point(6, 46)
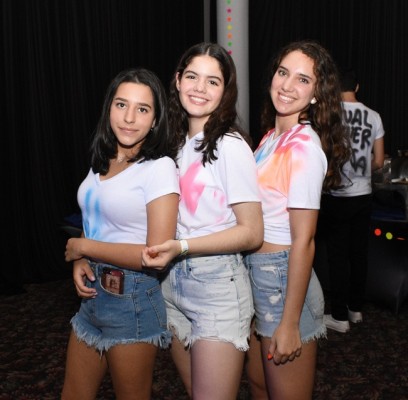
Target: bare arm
point(286, 341)
point(247, 234)
point(378, 154)
point(161, 226)
point(81, 272)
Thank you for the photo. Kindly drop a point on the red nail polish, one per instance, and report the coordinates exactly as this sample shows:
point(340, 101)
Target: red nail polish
point(269, 356)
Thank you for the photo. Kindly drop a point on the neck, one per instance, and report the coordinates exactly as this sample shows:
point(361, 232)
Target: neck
point(120, 158)
point(349, 97)
point(196, 125)
point(284, 123)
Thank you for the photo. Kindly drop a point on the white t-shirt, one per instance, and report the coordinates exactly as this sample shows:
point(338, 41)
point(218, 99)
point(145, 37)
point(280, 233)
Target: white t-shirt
point(207, 193)
point(366, 127)
point(114, 210)
point(291, 170)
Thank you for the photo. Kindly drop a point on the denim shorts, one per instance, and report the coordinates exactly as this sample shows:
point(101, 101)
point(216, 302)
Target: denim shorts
point(269, 277)
point(137, 315)
point(209, 297)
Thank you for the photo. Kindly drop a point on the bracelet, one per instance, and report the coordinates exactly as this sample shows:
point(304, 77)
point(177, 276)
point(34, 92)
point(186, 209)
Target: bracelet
point(184, 247)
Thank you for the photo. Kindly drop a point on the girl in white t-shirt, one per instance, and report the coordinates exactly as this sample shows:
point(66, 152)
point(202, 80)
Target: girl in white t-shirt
point(128, 199)
point(302, 152)
point(207, 290)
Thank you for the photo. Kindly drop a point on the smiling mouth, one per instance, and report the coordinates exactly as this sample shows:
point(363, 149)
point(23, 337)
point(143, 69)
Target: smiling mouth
point(286, 99)
point(198, 100)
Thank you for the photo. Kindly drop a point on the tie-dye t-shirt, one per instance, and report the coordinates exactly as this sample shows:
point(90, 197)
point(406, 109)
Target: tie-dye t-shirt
point(208, 192)
point(291, 169)
point(114, 209)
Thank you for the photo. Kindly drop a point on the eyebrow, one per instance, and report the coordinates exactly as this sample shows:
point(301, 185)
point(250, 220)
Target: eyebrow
point(302, 75)
point(189, 71)
point(127, 101)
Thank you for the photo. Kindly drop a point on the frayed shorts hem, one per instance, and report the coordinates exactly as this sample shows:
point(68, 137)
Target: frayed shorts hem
point(162, 340)
point(188, 342)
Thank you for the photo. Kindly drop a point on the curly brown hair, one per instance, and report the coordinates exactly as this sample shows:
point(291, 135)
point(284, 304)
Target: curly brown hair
point(325, 116)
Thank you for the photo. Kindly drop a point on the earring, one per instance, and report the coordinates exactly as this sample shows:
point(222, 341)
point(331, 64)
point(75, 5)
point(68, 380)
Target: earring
point(313, 101)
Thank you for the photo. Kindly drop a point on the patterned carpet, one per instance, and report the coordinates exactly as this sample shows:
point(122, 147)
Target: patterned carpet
point(370, 362)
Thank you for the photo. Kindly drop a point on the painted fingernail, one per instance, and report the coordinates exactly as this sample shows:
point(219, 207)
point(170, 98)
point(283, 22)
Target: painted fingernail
point(269, 356)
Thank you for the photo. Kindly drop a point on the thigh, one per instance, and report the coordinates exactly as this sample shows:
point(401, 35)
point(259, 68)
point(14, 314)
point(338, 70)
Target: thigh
point(84, 371)
point(216, 370)
point(361, 222)
point(337, 216)
point(131, 368)
point(254, 369)
point(294, 379)
point(182, 359)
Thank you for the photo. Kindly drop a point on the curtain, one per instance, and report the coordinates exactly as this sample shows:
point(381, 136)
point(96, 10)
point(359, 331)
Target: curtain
point(58, 56)
point(368, 35)
point(58, 59)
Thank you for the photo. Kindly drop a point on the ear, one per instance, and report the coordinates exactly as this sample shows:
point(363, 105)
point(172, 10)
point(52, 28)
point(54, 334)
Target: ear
point(313, 101)
point(178, 81)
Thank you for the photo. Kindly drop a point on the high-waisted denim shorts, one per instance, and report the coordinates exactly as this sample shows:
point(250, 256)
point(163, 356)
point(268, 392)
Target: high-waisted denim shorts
point(137, 315)
point(269, 278)
point(209, 297)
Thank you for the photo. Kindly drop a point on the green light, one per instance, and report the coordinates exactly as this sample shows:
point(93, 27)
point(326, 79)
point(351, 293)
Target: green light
point(388, 235)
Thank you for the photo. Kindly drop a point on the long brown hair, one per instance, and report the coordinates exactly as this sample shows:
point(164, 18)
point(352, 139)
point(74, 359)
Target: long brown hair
point(224, 120)
point(325, 116)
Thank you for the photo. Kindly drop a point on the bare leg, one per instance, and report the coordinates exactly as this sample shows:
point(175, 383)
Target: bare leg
point(216, 370)
point(182, 360)
point(293, 380)
point(131, 367)
point(84, 371)
point(254, 369)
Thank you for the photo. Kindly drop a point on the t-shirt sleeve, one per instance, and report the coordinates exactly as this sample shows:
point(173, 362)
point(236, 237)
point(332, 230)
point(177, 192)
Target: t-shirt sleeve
point(162, 179)
point(309, 167)
point(237, 170)
point(379, 126)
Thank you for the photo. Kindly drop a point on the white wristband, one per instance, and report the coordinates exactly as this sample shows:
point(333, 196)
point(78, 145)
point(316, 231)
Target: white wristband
point(184, 247)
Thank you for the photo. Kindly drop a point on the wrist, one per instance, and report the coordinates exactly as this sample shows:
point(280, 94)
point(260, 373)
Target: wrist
point(183, 247)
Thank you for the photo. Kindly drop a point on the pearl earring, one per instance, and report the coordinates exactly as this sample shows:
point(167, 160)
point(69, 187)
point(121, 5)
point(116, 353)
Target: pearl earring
point(313, 101)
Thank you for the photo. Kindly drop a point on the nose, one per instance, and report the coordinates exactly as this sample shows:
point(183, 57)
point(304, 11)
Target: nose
point(130, 116)
point(287, 85)
point(200, 85)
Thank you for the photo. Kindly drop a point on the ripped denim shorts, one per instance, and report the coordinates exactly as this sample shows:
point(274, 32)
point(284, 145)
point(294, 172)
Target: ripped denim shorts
point(209, 297)
point(268, 273)
point(137, 315)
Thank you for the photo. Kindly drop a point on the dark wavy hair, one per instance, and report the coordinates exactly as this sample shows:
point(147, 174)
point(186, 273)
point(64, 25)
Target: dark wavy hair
point(325, 116)
point(224, 120)
point(158, 142)
point(348, 80)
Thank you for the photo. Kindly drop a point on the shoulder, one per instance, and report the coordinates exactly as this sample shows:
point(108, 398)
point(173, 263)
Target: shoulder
point(233, 145)
point(165, 164)
point(232, 139)
point(304, 134)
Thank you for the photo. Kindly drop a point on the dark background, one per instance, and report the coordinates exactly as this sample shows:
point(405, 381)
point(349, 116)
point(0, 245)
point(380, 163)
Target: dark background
point(58, 56)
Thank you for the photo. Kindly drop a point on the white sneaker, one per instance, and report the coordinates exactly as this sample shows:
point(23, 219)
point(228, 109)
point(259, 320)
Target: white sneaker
point(339, 326)
point(355, 316)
